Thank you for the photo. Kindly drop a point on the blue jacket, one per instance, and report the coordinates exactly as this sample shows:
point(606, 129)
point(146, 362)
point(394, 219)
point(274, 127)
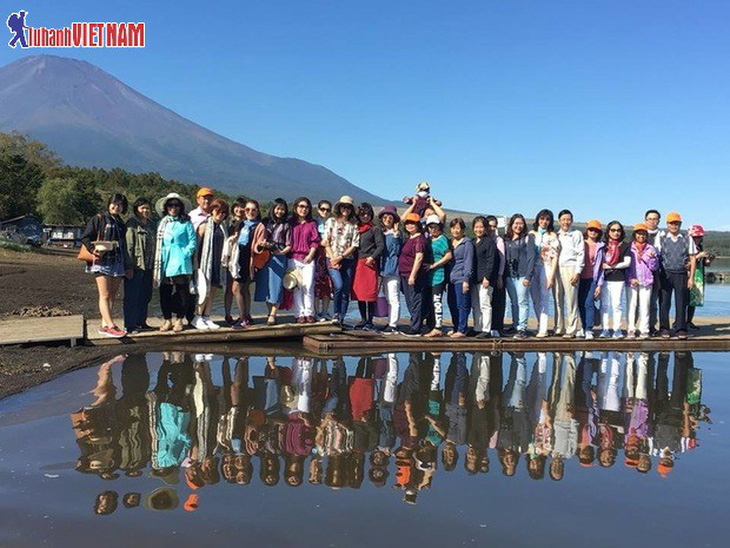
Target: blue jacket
point(462, 265)
point(519, 256)
point(178, 247)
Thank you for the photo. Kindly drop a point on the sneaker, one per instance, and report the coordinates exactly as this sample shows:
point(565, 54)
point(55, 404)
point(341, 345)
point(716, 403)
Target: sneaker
point(166, 326)
point(200, 323)
point(644, 336)
point(630, 335)
point(238, 326)
point(410, 332)
point(541, 334)
point(177, 327)
point(569, 336)
point(389, 330)
point(495, 334)
point(369, 327)
point(112, 332)
point(605, 334)
point(665, 334)
point(229, 321)
point(681, 335)
point(520, 335)
point(484, 335)
point(618, 334)
point(360, 326)
point(589, 335)
point(580, 333)
point(210, 323)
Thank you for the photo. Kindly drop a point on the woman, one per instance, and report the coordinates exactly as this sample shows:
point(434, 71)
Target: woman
point(211, 272)
point(341, 239)
point(640, 279)
point(486, 262)
point(591, 277)
point(237, 217)
point(322, 280)
point(305, 242)
point(616, 259)
point(244, 248)
point(439, 257)
point(460, 277)
point(108, 265)
point(412, 274)
point(270, 279)
point(365, 282)
point(520, 258)
point(174, 252)
point(389, 277)
point(140, 236)
point(704, 259)
point(499, 300)
point(547, 249)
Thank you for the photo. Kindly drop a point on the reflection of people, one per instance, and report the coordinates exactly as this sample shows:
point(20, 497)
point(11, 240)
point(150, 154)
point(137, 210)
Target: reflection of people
point(16, 24)
point(106, 503)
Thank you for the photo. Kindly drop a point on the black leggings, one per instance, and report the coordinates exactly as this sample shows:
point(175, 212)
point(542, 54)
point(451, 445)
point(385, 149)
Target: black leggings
point(177, 303)
point(367, 310)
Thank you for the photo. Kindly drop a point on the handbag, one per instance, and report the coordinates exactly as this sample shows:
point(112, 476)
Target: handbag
point(85, 255)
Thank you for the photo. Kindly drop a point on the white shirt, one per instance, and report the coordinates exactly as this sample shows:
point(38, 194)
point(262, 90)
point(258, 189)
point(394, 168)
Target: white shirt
point(198, 217)
point(572, 250)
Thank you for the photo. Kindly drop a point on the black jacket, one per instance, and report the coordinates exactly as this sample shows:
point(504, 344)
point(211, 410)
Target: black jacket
point(372, 243)
point(485, 257)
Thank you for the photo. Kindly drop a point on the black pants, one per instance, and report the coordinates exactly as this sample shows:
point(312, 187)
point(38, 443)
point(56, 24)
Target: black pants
point(656, 289)
point(179, 302)
point(137, 295)
point(499, 304)
point(414, 295)
point(674, 282)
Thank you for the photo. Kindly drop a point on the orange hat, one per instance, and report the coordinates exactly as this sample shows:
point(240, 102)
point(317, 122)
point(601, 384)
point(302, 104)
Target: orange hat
point(412, 218)
point(663, 470)
point(631, 463)
point(674, 217)
point(205, 191)
point(191, 505)
point(641, 226)
point(594, 223)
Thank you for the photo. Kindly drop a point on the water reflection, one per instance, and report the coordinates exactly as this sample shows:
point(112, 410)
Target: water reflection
point(402, 420)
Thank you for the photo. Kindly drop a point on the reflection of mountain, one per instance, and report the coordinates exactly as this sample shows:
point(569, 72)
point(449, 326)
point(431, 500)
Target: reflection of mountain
point(92, 119)
point(387, 420)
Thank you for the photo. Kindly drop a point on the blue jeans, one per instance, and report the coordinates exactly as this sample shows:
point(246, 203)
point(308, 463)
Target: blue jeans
point(586, 302)
point(342, 282)
point(459, 306)
point(519, 297)
point(137, 295)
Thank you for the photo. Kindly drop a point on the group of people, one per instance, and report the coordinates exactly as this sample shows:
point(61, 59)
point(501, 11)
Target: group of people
point(306, 260)
point(208, 419)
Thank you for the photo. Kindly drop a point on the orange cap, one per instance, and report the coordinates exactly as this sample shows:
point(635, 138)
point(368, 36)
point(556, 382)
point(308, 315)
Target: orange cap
point(205, 191)
point(663, 470)
point(412, 218)
point(191, 505)
point(674, 217)
point(594, 223)
point(641, 226)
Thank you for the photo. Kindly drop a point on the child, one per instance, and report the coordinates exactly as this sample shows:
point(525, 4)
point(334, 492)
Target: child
point(421, 201)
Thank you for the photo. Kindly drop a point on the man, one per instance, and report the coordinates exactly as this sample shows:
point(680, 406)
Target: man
point(675, 250)
point(201, 213)
point(652, 218)
point(570, 264)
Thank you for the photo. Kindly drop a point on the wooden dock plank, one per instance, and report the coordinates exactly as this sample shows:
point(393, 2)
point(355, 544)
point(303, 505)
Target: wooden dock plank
point(18, 330)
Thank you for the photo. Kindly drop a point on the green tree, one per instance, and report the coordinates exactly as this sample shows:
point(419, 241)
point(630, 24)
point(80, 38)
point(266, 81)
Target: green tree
point(59, 200)
point(19, 184)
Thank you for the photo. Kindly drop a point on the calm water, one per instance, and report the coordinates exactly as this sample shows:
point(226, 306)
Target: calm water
point(597, 449)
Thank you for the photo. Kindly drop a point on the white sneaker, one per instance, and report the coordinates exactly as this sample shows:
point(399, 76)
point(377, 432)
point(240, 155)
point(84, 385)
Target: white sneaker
point(495, 334)
point(200, 323)
point(588, 335)
point(210, 323)
point(580, 333)
point(325, 317)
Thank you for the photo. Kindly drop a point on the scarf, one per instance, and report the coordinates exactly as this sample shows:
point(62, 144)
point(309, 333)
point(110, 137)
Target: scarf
point(157, 269)
point(612, 252)
point(364, 227)
point(639, 248)
point(244, 231)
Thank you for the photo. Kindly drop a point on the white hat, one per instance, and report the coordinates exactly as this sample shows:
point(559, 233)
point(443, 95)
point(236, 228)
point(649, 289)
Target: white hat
point(160, 205)
point(433, 219)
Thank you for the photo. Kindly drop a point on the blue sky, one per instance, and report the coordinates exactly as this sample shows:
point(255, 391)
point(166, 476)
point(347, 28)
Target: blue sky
point(607, 108)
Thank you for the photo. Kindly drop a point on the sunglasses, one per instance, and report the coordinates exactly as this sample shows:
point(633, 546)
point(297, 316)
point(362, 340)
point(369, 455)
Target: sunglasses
point(174, 204)
point(615, 230)
point(302, 206)
point(325, 209)
point(251, 209)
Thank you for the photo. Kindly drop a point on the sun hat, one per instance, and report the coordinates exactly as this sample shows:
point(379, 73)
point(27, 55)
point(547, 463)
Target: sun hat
point(696, 231)
point(389, 209)
point(674, 217)
point(162, 498)
point(641, 226)
point(412, 218)
point(594, 223)
point(160, 205)
point(344, 200)
point(205, 191)
point(433, 220)
point(292, 279)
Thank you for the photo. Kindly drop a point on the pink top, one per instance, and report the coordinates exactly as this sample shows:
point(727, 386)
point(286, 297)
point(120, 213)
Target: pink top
point(304, 236)
point(591, 251)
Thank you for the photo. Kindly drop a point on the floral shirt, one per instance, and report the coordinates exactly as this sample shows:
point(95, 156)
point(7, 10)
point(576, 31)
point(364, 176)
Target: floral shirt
point(341, 236)
point(547, 246)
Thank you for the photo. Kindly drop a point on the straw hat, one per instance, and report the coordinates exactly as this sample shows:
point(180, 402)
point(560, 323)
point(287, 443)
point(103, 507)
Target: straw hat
point(160, 205)
point(344, 200)
point(292, 280)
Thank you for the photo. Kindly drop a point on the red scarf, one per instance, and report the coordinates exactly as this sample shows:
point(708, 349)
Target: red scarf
point(639, 247)
point(613, 252)
point(364, 227)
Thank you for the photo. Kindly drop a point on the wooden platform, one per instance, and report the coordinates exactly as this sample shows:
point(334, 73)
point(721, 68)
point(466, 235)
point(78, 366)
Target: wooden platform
point(286, 329)
point(61, 329)
point(711, 337)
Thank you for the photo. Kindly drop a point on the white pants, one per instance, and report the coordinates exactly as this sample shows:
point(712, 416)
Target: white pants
point(612, 305)
point(481, 304)
point(639, 296)
point(304, 293)
point(566, 296)
point(608, 382)
point(391, 290)
point(540, 297)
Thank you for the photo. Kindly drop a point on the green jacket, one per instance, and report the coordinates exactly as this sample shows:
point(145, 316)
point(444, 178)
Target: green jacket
point(141, 244)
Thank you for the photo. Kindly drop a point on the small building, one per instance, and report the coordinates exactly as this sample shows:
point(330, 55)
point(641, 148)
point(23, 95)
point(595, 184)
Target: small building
point(63, 235)
point(26, 229)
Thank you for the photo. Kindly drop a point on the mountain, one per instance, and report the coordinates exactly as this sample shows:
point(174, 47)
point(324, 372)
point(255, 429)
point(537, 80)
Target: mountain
point(91, 119)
